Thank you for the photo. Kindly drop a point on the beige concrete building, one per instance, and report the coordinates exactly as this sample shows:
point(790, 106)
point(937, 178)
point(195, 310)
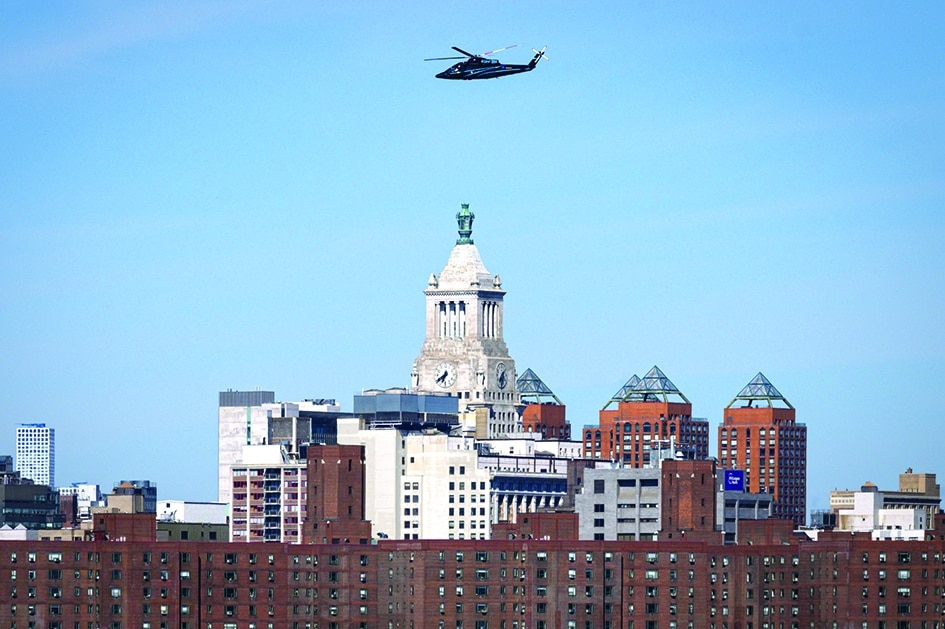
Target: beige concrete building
point(421, 485)
point(445, 493)
point(385, 466)
point(268, 496)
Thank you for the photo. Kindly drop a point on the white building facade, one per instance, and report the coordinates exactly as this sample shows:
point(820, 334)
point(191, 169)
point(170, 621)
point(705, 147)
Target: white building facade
point(193, 512)
point(242, 420)
point(36, 453)
point(87, 495)
point(869, 515)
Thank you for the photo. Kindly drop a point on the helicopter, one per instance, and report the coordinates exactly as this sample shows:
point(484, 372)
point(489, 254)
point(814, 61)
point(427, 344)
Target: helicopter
point(479, 67)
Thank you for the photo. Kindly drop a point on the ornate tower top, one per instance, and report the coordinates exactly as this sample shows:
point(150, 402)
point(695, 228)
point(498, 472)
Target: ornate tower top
point(465, 220)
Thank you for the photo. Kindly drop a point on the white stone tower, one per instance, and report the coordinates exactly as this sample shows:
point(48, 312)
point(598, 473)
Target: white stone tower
point(464, 352)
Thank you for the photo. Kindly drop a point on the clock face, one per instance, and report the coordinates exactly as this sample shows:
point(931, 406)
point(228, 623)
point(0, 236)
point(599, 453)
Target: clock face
point(501, 375)
point(445, 374)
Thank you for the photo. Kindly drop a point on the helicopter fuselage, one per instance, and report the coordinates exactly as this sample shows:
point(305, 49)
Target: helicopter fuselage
point(479, 68)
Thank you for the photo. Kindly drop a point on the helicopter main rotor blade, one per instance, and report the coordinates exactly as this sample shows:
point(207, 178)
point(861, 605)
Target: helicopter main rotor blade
point(442, 58)
point(492, 52)
point(468, 54)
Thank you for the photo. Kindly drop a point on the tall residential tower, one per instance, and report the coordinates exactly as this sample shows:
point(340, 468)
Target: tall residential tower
point(759, 435)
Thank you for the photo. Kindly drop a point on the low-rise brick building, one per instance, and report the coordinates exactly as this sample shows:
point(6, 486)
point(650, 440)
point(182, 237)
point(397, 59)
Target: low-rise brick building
point(773, 579)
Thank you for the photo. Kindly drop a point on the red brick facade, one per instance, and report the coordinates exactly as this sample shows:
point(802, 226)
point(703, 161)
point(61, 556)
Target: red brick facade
point(140, 527)
point(771, 447)
point(548, 420)
point(551, 525)
point(336, 496)
point(841, 580)
point(688, 496)
point(627, 433)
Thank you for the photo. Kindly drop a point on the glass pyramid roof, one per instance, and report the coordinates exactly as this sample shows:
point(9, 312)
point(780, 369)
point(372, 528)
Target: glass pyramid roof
point(532, 389)
point(652, 387)
point(760, 389)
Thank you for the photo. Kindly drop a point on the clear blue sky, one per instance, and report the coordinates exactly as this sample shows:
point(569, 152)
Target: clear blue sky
point(202, 196)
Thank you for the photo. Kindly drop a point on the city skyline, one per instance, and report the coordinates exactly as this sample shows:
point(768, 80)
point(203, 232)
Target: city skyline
point(199, 198)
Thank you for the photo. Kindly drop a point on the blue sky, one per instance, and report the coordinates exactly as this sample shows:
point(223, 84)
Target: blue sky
point(203, 196)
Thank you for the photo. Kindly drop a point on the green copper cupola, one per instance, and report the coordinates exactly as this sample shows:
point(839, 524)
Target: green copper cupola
point(465, 220)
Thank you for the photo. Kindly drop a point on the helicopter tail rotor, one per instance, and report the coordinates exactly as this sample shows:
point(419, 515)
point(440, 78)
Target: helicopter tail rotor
point(539, 55)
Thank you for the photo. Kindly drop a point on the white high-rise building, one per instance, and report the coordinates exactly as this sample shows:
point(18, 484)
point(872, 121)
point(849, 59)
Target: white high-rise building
point(36, 453)
point(243, 420)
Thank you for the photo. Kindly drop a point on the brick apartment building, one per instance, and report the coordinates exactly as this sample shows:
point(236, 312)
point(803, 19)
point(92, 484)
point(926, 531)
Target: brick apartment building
point(775, 579)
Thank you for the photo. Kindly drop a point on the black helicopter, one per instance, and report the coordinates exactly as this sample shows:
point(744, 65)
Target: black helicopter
point(479, 67)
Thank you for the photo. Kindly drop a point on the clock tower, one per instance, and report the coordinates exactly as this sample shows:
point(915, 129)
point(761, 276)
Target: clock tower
point(464, 353)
